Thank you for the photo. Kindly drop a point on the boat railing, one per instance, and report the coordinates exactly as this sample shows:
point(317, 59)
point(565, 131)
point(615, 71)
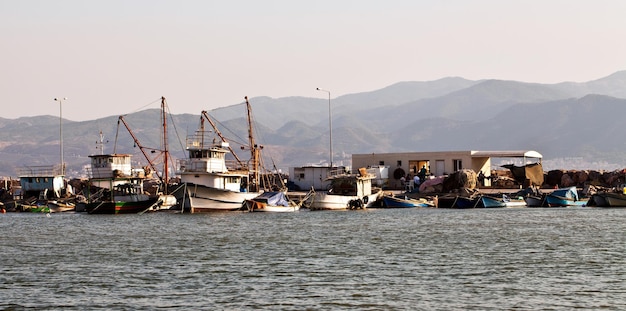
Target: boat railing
point(345, 171)
point(134, 173)
point(40, 170)
point(184, 165)
point(202, 141)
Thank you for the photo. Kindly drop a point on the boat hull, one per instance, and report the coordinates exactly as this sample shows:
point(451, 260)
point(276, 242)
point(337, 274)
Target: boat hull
point(556, 201)
point(121, 207)
point(564, 197)
point(489, 202)
point(461, 202)
point(608, 199)
point(254, 206)
point(466, 202)
point(201, 199)
point(536, 201)
point(387, 201)
point(60, 207)
point(327, 201)
point(446, 201)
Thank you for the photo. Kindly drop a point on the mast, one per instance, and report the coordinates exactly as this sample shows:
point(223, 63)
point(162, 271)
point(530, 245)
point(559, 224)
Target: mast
point(254, 150)
point(138, 144)
point(165, 150)
point(100, 143)
point(217, 131)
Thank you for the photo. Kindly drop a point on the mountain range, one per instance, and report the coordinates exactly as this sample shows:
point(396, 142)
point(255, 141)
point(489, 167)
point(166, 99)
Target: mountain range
point(574, 125)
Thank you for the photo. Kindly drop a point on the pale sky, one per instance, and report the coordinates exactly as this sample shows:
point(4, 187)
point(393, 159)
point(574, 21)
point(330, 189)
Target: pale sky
point(115, 57)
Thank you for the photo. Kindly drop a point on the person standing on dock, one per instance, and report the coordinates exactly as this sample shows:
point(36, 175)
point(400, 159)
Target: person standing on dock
point(416, 182)
point(422, 173)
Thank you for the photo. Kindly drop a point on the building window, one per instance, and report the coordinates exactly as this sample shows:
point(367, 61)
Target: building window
point(302, 175)
point(458, 165)
point(399, 162)
point(381, 162)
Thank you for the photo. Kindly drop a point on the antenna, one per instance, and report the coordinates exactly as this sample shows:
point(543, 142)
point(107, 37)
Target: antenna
point(100, 143)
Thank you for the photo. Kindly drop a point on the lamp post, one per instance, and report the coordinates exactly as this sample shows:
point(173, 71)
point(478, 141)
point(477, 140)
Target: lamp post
point(330, 126)
point(60, 100)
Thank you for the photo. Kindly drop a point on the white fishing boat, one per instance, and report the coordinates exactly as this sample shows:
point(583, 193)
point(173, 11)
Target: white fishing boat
point(273, 202)
point(208, 181)
point(347, 191)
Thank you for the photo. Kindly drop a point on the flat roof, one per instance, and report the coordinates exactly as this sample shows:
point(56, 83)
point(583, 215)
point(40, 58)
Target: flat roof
point(508, 154)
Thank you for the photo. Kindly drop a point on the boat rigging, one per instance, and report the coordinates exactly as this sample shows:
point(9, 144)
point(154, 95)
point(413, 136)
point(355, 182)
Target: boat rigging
point(164, 175)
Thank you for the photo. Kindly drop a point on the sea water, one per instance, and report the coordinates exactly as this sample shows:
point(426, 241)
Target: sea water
point(395, 259)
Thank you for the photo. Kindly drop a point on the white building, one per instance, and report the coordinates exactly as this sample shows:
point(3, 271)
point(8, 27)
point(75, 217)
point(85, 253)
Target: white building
point(438, 163)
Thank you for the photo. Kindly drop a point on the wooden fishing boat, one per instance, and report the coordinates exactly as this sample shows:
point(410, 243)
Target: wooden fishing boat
point(59, 207)
point(348, 191)
point(536, 201)
point(35, 208)
point(467, 202)
point(607, 199)
point(115, 188)
point(274, 202)
point(486, 201)
point(122, 207)
point(564, 197)
point(446, 201)
point(389, 201)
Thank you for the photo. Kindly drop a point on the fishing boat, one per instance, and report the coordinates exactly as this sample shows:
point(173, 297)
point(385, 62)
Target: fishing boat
point(35, 208)
point(154, 155)
point(41, 186)
point(446, 201)
point(347, 191)
point(115, 188)
point(536, 201)
point(274, 202)
point(514, 203)
point(208, 182)
point(564, 197)
point(607, 199)
point(486, 201)
point(390, 201)
point(123, 199)
point(478, 201)
point(57, 206)
point(467, 202)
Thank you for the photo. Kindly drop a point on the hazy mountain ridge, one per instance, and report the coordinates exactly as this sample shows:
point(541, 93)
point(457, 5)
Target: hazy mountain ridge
point(564, 120)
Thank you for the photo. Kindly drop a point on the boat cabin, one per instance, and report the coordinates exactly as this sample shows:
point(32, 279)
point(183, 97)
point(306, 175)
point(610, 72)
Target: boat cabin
point(110, 165)
point(41, 180)
point(325, 178)
point(351, 184)
point(207, 166)
point(110, 170)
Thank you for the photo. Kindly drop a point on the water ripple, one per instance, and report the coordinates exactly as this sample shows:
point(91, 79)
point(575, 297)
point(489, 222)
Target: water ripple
point(411, 259)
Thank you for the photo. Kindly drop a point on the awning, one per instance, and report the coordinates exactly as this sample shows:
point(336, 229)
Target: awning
point(508, 154)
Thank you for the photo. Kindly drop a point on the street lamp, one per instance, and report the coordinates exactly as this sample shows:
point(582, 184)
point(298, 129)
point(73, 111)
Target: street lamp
point(60, 100)
point(330, 126)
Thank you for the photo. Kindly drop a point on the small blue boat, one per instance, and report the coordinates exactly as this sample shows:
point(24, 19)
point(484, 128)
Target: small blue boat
point(564, 197)
point(480, 201)
point(467, 202)
point(490, 202)
point(387, 201)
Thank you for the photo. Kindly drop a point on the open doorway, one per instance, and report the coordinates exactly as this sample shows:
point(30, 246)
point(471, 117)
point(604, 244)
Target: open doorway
point(415, 168)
